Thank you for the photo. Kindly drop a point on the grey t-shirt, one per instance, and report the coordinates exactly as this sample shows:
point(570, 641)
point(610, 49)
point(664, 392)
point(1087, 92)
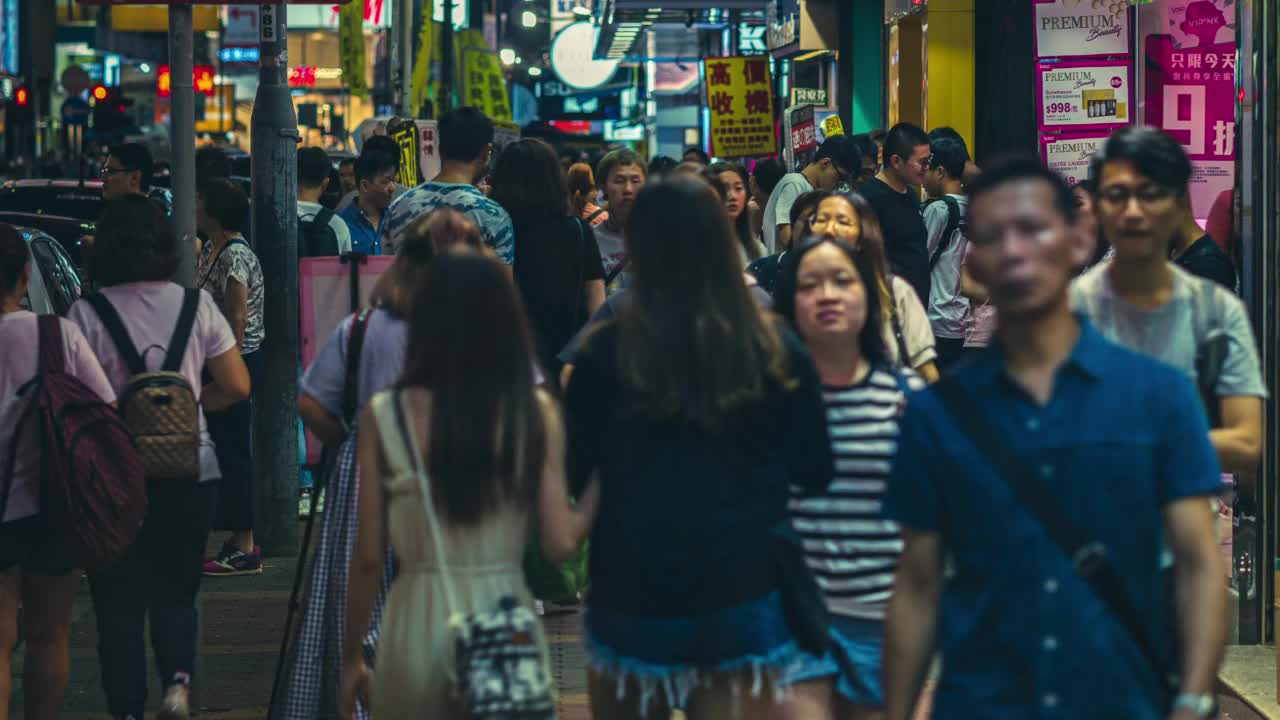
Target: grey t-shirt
point(778, 210)
point(948, 309)
point(1168, 333)
point(386, 339)
point(613, 253)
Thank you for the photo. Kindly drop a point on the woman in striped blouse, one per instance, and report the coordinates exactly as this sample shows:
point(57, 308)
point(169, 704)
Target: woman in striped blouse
point(827, 294)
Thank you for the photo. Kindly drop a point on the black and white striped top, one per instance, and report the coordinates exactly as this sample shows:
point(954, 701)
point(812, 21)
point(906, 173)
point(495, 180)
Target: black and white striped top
point(852, 550)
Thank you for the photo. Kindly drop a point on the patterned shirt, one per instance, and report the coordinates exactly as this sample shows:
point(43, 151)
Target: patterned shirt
point(237, 261)
point(851, 548)
point(493, 220)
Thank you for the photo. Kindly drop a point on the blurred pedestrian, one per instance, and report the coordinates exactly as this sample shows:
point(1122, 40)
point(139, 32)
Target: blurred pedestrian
point(907, 334)
point(870, 160)
point(945, 225)
point(582, 195)
point(557, 268)
point(837, 161)
point(376, 143)
point(228, 269)
point(696, 154)
point(764, 178)
point(659, 166)
point(1145, 302)
point(894, 194)
point(686, 608)
point(347, 175)
point(621, 174)
point(319, 228)
point(156, 583)
point(454, 461)
point(28, 577)
point(366, 218)
point(466, 142)
point(828, 294)
point(765, 270)
point(1050, 477)
point(736, 182)
point(127, 171)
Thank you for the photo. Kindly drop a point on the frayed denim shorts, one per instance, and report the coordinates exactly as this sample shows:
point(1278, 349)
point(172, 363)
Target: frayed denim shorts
point(673, 655)
point(858, 678)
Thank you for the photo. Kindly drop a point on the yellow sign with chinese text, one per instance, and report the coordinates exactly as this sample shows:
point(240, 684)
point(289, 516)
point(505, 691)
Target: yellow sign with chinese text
point(740, 96)
point(483, 85)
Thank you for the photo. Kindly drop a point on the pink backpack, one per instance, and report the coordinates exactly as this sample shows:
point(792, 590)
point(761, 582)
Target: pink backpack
point(93, 495)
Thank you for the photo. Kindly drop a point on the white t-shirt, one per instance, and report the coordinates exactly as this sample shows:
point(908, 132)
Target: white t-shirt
point(916, 333)
point(149, 311)
point(947, 307)
point(19, 355)
point(308, 211)
point(778, 210)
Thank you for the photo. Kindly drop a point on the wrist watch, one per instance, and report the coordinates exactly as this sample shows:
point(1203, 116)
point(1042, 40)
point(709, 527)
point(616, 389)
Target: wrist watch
point(1206, 706)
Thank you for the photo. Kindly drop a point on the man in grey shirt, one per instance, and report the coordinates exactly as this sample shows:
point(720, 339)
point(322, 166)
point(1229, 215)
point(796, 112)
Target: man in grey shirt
point(1141, 300)
point(838, 161)
point(944, 222)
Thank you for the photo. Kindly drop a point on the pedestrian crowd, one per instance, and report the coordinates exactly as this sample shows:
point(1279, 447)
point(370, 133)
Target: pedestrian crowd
point(804, 433)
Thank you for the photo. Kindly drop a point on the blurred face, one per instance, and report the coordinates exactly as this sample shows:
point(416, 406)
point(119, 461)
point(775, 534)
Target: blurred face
point(119, 180)
point(836, 218)
point(735, 194)
point(870, 166)
point(347, 174)
point(378, 190)
point(831, 299)
point(912, 169)
point(622, 186)
point(830, 175)
point(204, 221)
point(1024, 250)
point(933, 181)
point(1138, 216)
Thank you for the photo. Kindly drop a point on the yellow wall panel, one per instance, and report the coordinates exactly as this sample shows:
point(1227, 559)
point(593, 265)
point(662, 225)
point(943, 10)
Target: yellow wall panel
point(950, 84)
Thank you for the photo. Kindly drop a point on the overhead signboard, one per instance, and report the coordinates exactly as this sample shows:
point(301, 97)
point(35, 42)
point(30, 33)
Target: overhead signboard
point(562, 13)
point(483, 85)
point(573, 61)
point(240, 26)
point(740, 97)
point(751, 39)
point(808, 96)
point(1068, 28)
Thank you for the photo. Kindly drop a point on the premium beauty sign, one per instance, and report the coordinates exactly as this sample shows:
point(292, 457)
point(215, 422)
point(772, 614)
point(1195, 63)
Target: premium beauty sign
point(1071, 28)
point(1069, 154)
point(1082, 95)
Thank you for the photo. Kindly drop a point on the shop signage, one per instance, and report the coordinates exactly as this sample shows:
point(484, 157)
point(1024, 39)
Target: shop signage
point(351, 50)
point(1084, 94)
point(573, 61)
point(739, 94)
point(562, 13)
point(241, 25)
point(804, 130)
point(302, 76)
point(783, 18)
point(808, 96)
point(9, 30)
point(483, 85)
point(201, 80)
point(1069, 28)
point(832, 126)
point(428, 149)
point(751, 39)
point(406, 137)
point(247, 55)
point(268, 24)
point(1191, 94)
point(1069, 154)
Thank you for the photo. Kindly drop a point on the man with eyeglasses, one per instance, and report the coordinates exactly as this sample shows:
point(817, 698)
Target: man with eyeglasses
point(127, 171)
point(892, 192)
point(1145, 302)
point(836, 163)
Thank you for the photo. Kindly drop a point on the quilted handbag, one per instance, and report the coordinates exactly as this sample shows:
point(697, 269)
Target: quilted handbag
point(500, 671)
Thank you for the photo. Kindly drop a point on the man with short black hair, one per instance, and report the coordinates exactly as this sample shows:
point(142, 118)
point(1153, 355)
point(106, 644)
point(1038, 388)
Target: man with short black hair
point(621, 174)
point(838, 161)
point(127, 171)
point(891, 193)
point(696, 154)
point(367, 218)
point(944, 220)
point(466, 142)
point(1053, 472)
point(313, 180)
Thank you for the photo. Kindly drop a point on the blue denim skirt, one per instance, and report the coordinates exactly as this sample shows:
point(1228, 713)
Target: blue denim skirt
point(858, 678)
point(673, 655)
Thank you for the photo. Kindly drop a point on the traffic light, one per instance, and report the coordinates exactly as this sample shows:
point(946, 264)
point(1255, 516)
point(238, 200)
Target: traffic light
point(21, 97)
point(110, 110)
point(100, 93)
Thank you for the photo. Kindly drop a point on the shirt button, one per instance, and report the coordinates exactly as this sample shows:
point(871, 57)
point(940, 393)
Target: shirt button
point(1033, 425)
point(1051, 586)
point(1046, 471)
point(1050, 700)
point(1050, 643)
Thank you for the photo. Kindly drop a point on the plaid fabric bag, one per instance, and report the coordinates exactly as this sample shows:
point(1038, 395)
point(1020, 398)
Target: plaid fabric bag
point(499, 669)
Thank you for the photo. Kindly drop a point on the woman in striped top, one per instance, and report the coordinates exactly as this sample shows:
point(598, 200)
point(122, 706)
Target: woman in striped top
point(827, 295)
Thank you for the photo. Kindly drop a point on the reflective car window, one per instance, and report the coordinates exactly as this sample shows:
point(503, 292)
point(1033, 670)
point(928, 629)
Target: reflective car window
point(60, 279)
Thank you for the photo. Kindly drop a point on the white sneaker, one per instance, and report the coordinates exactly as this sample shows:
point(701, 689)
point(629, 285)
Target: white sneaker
point(304, 504)
point(176, 703)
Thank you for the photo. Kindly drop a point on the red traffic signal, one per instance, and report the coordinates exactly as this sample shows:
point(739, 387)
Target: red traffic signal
point(100, 93)
point(22, 97)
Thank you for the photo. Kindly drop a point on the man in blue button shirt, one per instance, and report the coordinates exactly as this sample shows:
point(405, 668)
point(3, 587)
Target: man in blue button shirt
point(376, 184)
point(1119, 442)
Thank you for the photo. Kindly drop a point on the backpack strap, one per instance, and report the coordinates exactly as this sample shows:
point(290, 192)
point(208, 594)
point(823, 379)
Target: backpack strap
point(119, 335)
point(182, 331)
point(209, 273)
point(596, 214)
point(323, 217)
point(954, 217)
point(355, 344)
point(51, 356)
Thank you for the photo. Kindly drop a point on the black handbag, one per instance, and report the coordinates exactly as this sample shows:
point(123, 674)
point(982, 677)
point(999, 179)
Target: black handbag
point(803, 606)
point(1088, 557)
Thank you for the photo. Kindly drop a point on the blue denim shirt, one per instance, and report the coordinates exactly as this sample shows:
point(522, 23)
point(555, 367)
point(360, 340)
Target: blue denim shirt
point(1022, 636)
point(365, 238)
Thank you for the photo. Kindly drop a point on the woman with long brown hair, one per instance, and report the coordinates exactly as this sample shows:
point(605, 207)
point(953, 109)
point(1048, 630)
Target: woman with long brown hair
point(737, 192)
point(465, 441)
point(582, 195)
point(668, 404)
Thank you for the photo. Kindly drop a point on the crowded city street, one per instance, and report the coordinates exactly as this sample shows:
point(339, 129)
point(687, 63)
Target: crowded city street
point(639, 359)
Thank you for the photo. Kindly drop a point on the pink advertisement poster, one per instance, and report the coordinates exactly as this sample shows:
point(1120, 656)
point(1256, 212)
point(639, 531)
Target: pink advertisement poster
point(1190, 92)
point(1084, 95)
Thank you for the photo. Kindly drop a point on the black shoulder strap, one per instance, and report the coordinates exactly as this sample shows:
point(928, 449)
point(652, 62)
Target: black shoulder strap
point(216, 258)
point(323, 217)
point(1089, 557)
point(953, 224)
point(182, 331)
point(617, 270)
point(355, 345)
point(119, 335)
point(596, 214)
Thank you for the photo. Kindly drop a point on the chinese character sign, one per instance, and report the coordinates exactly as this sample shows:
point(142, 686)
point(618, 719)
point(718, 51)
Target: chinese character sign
point(740, 96)
point(1191, 93)
point(483, 85)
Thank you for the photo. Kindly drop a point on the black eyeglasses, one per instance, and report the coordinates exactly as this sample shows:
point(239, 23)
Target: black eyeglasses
point(108, 171)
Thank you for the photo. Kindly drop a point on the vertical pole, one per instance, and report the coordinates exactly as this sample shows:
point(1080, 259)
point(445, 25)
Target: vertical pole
point(182, 140)
point(446, 59)
point(405, 25)
point(274, 174)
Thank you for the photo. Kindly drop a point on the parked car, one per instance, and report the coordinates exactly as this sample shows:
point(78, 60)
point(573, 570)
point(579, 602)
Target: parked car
point(55, 284)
